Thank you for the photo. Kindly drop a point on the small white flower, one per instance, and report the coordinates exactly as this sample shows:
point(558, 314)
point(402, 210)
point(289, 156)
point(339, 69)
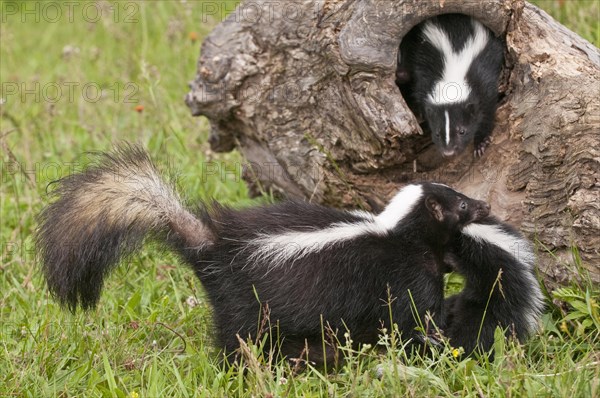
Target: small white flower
point(379, 371)
point(70, 50)
point(191, 301)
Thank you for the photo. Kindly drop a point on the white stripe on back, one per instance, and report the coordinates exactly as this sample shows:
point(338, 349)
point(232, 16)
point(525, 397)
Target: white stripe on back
point(522, 251)
point(518, 247)
point(277, 249)
point(362, 214)
point(453, 87)
point(399, 207)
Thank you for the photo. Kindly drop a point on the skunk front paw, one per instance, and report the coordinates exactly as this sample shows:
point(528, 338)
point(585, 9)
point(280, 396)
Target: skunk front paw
point(481, 147)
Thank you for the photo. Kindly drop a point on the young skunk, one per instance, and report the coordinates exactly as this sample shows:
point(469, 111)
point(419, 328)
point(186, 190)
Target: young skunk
point(500, 286)
point(304, 265)
point(448, 72)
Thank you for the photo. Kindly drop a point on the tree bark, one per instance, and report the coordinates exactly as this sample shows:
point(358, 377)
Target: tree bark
point(306, 91)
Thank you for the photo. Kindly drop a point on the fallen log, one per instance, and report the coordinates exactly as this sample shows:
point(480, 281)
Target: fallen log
point(305, 90)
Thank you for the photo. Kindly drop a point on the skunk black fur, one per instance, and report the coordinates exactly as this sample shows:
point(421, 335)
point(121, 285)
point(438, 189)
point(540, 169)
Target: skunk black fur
point(500, 286)
point(295, 261)
point(448, 72)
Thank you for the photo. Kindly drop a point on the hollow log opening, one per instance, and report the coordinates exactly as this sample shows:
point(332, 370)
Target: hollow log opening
point(307, 92)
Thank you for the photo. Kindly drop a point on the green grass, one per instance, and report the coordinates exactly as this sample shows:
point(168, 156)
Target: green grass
point(150, 335)
point(581, 16)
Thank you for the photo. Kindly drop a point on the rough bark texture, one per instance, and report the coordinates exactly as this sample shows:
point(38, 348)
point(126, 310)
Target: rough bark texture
point(305, 89)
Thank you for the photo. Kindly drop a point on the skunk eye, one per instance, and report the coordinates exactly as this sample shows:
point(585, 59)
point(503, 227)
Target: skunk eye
point(463, 205)
point(462, 131)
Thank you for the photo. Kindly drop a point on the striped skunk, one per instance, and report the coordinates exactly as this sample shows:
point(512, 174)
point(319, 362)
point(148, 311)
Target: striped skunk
point(500, 286)
point(448, 72)
point(305, 266)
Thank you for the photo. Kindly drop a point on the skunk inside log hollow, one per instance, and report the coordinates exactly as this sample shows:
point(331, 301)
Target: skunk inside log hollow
point(448, 72)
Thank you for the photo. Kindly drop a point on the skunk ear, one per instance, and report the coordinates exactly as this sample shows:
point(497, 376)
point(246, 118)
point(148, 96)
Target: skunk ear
point(435, 208)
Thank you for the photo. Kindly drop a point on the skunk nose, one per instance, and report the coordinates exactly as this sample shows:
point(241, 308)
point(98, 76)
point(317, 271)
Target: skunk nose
point(448, 153)
point(485, 208)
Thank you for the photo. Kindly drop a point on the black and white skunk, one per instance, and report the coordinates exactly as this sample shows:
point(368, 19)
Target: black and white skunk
point(448, 71)
point(301, 264)
point(500, 286)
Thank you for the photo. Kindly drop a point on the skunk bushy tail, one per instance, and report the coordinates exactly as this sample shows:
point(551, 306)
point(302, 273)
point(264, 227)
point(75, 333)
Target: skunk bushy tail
point(102, 215)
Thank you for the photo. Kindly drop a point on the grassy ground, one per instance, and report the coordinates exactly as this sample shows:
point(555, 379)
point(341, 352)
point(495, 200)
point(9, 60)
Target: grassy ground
point(82, 81)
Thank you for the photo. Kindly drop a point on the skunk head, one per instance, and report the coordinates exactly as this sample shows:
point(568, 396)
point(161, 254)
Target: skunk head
point(436, 209)
point(452, 209)
point(453, 126)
